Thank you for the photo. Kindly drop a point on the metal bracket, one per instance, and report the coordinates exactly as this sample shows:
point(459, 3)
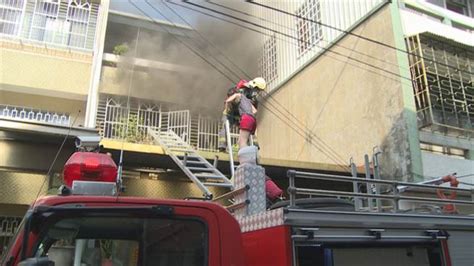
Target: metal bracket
point(377, 233)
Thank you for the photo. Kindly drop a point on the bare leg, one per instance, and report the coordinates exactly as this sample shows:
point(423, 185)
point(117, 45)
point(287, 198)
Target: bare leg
point(244, 136)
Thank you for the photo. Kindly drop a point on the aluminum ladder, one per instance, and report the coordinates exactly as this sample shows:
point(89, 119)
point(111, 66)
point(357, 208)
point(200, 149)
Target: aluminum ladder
point(197, 168)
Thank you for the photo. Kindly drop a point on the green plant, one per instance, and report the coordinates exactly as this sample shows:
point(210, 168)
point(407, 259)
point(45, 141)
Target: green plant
point(133, 133)
point(120, 49)
point(106, 248)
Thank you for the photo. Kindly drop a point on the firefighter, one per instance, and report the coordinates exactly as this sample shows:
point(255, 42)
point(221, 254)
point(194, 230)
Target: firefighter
point(231, 114)
point(247, 102)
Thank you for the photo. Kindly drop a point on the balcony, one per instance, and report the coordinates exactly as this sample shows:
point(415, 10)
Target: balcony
point(20, 113)
point(117, 122)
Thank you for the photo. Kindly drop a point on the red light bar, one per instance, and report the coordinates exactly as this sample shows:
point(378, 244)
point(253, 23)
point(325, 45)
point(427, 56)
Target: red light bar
point(89, 166)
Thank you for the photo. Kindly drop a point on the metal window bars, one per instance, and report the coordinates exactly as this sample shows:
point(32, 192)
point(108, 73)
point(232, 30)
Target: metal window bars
point(207, 134)
point(269, 59)
point(78, 16)
point(11, 16)
point(34, 115)
point(45, 25)
point(8, 227)
point(392, 195)
point(309, 33)
point(444, 96)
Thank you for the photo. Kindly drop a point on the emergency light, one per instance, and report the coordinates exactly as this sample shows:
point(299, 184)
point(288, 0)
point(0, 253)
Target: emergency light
point(89, 166)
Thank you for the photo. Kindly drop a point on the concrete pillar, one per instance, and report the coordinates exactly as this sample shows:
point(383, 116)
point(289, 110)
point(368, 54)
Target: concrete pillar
point(93, 95)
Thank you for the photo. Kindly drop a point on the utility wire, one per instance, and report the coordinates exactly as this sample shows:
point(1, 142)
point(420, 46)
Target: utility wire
point(182, 42)
point(355, 35)
point(294, 30)
point(192, 39)
point(306, 129)
point(284, 120)
point(57, 155)
point(205, 39)
point(329, 155)
point(299, 40)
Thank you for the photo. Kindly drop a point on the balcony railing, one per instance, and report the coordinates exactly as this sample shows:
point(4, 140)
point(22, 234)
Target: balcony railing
point(8, 227)
point(130, 124)
point(21, 113)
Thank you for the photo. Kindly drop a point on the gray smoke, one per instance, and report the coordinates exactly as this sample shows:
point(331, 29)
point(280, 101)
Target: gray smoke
point(190, 82)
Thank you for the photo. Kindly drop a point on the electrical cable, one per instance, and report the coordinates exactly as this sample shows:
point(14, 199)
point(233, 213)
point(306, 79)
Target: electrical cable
point(299, 40)
point(292, 29)
point(205, 39)
point(295, 118)
point(329, 156)
point(50, 168)
point(353, 34)
point(182, 42)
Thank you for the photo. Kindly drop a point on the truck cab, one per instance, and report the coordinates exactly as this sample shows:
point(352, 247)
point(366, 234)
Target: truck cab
point(107, 230)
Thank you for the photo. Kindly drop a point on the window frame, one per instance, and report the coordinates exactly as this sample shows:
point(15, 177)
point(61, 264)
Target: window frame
point(309, 33)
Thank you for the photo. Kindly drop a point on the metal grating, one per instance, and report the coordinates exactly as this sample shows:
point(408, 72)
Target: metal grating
point(8, 227)
point(269, 60)
point(443, 84)
point(308, 32)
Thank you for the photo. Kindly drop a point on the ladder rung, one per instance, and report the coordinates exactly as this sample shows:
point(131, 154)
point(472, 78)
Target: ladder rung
point(194, 162)
point(201, 169)
point(218, 184)
point(210, 176)
point(180, 150)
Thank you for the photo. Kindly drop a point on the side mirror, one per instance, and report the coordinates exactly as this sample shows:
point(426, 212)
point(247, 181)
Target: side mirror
point(43, 261)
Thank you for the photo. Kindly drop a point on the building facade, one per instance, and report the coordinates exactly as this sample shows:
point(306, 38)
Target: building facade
point(357, 76)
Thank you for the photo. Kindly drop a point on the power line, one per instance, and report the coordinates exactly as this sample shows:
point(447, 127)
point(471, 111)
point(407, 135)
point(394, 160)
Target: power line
point(192, 39)
point(311, 134)
point(299, 40)
point(206, 40)
point(295, 118)
point(354, 34)
point(182, 42)
point(294, 30)
point(328, 154)
point(284, 40)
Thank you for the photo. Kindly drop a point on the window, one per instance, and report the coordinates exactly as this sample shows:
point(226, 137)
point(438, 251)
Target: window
point(53, 23)
point(77, 22)
point(309, 32)
point(132, 241)
point(458, 6)
point(449, 151)
point(45, 20)
point(11, 13)
point(269, 60)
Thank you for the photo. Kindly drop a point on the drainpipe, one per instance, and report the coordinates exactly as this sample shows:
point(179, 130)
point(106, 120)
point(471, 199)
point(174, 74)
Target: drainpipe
point(93, 95)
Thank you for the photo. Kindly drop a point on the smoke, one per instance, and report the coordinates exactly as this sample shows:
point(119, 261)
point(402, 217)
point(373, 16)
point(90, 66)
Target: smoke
point(170, 73)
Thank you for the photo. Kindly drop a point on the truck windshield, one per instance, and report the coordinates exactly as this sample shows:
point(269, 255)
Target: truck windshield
point(124, 241)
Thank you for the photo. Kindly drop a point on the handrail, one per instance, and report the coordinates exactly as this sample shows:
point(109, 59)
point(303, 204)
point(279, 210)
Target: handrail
point(395, 197)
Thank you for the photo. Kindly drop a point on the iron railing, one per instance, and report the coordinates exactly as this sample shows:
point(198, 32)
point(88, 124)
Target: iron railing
point(390, 194)
point(130, 124)
point(21, 113)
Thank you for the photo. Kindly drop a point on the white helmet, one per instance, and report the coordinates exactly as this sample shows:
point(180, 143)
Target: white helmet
point(258, 83)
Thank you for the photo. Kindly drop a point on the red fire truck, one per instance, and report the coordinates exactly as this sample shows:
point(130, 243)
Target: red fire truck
point(89, 224)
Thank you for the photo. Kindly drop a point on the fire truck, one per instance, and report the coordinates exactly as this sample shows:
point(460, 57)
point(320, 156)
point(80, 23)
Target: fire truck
point(89, 223)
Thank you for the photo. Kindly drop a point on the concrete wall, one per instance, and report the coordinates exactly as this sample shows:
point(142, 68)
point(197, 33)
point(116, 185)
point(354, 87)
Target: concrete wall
point(436, 165)
point(43, 68)
point(351, 105)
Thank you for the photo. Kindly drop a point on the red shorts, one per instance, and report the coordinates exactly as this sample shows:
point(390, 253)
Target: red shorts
point(248, 122)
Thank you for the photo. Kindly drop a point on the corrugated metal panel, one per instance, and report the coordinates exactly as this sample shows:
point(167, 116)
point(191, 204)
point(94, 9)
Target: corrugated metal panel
point(21, 188)
point(341, 14)
point(461, 248)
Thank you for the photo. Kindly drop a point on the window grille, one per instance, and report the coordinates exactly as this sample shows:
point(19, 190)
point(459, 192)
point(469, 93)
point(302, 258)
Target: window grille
point(45, 20)
point(309, 33)
point(269, 60)
point(54, 23)
point(11, 14)
point(443, 84)
point(77, 22)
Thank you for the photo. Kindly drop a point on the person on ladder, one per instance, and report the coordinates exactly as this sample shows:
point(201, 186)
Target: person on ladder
point(246, 101)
